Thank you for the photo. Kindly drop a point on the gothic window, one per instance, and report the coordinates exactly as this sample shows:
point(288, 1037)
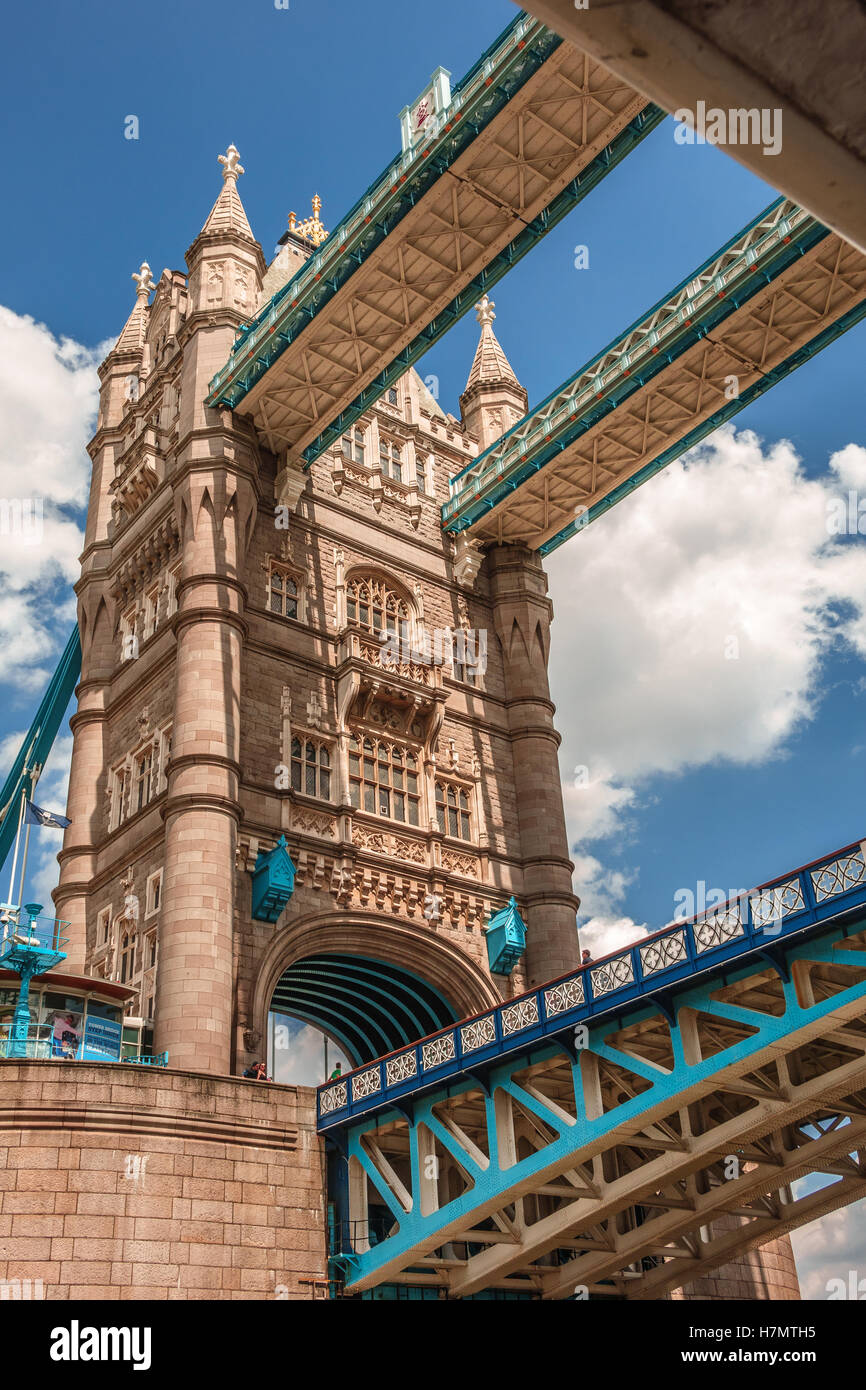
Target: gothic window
point(153, 894)
point(420, 472)
point(353, 446)
point(119, 784)
point(372, 605)
point(139, 778)
point(151, 611)
point(128, 635)
point(284, 592)
point(463, 655)
point(127, 957)
point(383, 779)
point(143, 779)
point(103, 926)
point(150, 951)
point(392, 395)
point(454, 810)
point(173, 582)
point(311, 768)
point(391, 460)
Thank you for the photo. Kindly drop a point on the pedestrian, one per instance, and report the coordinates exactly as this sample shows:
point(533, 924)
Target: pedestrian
point(586, 958)
point(257, 1072)
point(337, 1072)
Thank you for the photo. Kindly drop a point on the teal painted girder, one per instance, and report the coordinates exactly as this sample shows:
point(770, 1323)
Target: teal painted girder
point(727, 412)
point(492, 1184)
point(529, 237)
point(744, 266)
point(489, 85)
point(39, 740)
point(376, 1006)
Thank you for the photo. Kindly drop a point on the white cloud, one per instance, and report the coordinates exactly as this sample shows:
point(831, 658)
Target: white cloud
point(691, 626)
point(299, 1054)
point(831, 1248)
point(716, 592)
point(48, 398)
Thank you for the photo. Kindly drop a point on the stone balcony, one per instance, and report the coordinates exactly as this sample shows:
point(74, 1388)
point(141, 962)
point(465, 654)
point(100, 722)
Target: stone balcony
point(405, 695)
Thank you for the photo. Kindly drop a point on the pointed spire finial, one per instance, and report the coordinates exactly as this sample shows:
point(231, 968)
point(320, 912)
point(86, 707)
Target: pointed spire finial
point(143, 280)
point(484, 311)
point(231, 162)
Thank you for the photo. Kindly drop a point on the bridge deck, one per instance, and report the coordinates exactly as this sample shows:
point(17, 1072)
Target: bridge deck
point(529, 131)
point(776, 294)
point(589, 1135)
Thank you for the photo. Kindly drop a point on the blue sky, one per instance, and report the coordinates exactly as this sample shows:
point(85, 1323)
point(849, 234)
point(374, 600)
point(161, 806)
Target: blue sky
point(311, 96)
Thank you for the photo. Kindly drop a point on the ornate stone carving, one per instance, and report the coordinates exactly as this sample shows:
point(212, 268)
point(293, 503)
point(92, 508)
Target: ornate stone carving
point(314, 823)
point(143, 280)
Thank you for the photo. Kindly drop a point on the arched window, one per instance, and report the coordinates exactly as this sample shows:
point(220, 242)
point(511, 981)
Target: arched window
point(354, 446)
point(383, 779)
point(311, 768)
point(391, 460)
point(453, 810)
point(284, 592)
point(127, 957)
point(372, 605)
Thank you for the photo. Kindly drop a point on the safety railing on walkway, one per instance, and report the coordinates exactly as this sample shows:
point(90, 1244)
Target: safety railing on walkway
point(158, 1060)
point(756, 920)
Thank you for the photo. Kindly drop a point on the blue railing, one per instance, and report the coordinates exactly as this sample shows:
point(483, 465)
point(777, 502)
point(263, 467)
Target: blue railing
point(753, 922)
point(22, 930)
point(36, 1045)
point(158, 1060)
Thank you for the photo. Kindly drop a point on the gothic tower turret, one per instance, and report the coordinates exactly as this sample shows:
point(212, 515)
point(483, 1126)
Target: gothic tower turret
point(493, 400)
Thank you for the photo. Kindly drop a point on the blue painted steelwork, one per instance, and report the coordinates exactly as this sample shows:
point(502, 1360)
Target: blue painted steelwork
point(30, 944)
point(491, 1181)
point(505, 939)
point(750, 261)
point(490, 84)
point(273, 882)
point(807, 916)
point(40, 737)
point(681, 953)
point(159, 1060)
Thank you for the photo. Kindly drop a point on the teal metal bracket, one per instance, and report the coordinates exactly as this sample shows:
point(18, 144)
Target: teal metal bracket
point(273, 882)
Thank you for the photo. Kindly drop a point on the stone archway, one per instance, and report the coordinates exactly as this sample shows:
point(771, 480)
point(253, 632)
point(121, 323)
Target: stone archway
point(411, 957)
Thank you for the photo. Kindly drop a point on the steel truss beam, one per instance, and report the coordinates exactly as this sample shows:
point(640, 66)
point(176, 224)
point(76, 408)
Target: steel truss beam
point(768, 301)
point(659, 1154)
point(529, 132)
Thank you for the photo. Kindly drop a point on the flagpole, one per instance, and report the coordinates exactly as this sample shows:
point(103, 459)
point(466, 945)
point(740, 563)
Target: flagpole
point(34, 778)
point(24, 863)
point(17, 842)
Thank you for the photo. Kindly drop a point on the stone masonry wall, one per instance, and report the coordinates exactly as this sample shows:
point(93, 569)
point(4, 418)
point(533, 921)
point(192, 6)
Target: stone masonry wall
point(124, 1183)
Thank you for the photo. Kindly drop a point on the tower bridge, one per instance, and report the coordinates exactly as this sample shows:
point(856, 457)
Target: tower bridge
point(270, 814)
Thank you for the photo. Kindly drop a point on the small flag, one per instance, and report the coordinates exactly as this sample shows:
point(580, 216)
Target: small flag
point(34, 815)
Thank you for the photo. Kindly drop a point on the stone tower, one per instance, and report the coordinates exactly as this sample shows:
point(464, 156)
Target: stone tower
point(235, 689)
point(275, 658)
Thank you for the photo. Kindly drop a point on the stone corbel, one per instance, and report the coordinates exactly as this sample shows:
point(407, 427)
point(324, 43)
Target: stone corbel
point(467, 561)
point(290, 483)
